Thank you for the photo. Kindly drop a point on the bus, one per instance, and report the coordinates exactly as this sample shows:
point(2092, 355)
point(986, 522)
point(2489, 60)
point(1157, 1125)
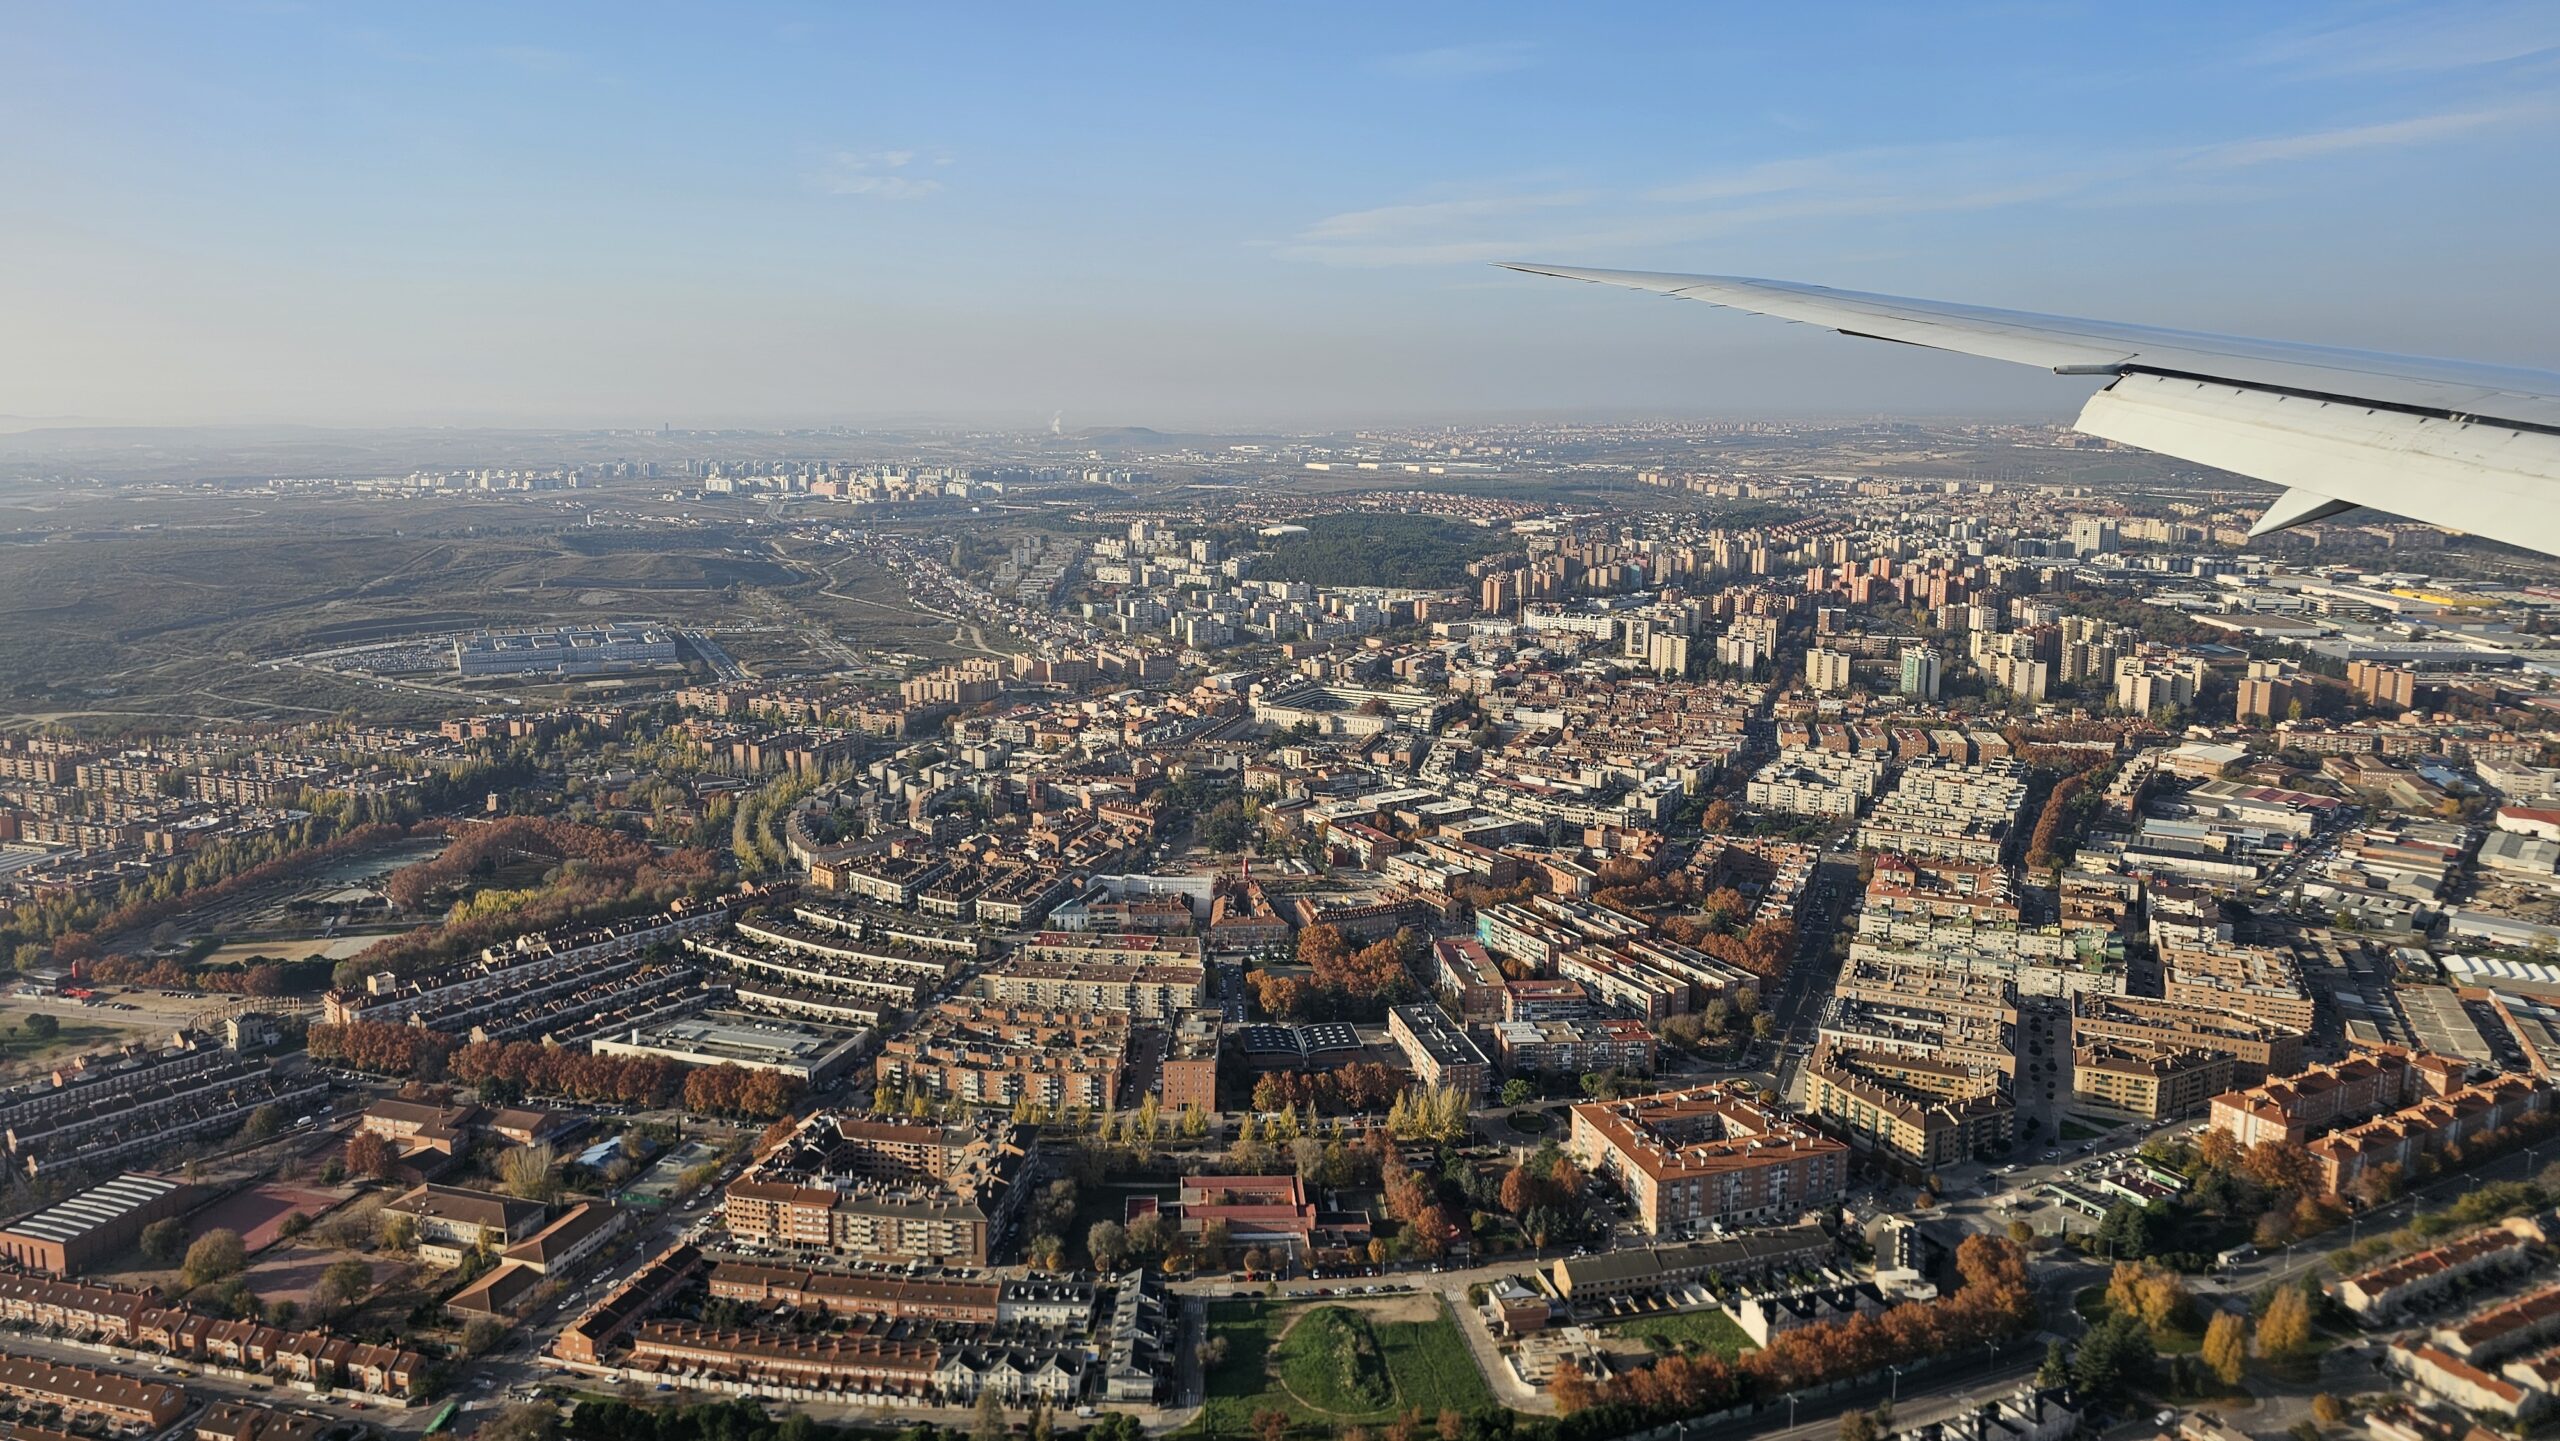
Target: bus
point(443, 1417)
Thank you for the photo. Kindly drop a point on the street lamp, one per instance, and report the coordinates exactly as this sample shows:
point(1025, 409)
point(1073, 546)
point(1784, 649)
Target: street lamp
point(1896, 1397)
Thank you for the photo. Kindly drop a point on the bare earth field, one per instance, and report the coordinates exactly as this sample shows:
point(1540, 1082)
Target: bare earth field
point(258, 1214)
point(143, 609)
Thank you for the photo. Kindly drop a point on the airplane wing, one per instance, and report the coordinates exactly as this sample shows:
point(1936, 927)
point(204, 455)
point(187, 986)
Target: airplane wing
point(2468, 447)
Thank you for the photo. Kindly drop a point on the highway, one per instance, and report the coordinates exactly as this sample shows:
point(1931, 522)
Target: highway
point(712, 655)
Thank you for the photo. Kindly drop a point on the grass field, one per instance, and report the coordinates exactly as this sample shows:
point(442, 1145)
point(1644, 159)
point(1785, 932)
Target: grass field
point(1330, 1366)
point(77, 1034)
point(1703, 1330)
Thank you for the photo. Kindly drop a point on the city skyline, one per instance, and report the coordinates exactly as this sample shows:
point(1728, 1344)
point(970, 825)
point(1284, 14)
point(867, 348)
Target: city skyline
point(790, 215)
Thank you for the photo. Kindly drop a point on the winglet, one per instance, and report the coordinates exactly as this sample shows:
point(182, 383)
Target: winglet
point(2299, 507)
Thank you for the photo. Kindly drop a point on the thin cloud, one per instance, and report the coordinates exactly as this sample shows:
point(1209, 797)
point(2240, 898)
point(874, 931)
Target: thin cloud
point(536, 59)
point(875, 175)
point(1388, 220)
point(2416, 130)
point(2420, 41)
point(1869, 183)
point(1461, 62)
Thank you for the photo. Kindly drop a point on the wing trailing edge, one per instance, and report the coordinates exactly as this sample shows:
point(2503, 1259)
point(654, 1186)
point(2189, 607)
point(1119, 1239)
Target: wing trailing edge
point(2473, 448)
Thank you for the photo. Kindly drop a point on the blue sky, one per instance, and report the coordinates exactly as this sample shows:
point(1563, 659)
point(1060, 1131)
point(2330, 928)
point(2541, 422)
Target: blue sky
point(1223, 215)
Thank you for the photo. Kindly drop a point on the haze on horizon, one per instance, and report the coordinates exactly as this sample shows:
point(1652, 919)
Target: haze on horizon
point(259, 213)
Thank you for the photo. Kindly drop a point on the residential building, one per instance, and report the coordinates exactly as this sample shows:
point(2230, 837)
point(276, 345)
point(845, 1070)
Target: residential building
point(1572, 1046)
point(1918, 1111)
point(2382, 1296)
point(1709, 1156)
point(2145, 1081)
point(1826, 671)
point(2257, 1048)
point(1438, 1050)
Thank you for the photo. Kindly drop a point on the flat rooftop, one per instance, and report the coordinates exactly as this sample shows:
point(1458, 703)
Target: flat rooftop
point(747, 1038)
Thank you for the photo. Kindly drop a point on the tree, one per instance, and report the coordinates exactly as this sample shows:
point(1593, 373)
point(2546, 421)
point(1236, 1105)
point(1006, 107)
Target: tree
point(2116, 1354)
point(263, 1124)
point(2286, 1326)
point(989, 1422)
point(2129, 1231)
point(2328, 1410)
point(1857, 1426)
point(215, 1255)
point(1108, 1244)
point(2226, 1347)
point(1271, 1425)
point(2377, 1185)
point(164, 1241)
point(2056, 1370)
point(399, 1231)
point(370, 1156)
point(1571, 1389)
point(1520, 1191)
point(1516, 1092)
point(531, 1173)
point(1153, 1234)
point(43, 1027)
point(2217, 1150)
point(344, 1283)
point(483, 1334)
point(2157, 1296)
point(2281, 1165)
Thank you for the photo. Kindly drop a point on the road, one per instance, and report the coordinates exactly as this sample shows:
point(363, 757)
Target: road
point(521, 1362)
point(2299, 1259)
point(1810, 979)
point(205, 1386)
point(712, 655)
point(1937, 1394)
